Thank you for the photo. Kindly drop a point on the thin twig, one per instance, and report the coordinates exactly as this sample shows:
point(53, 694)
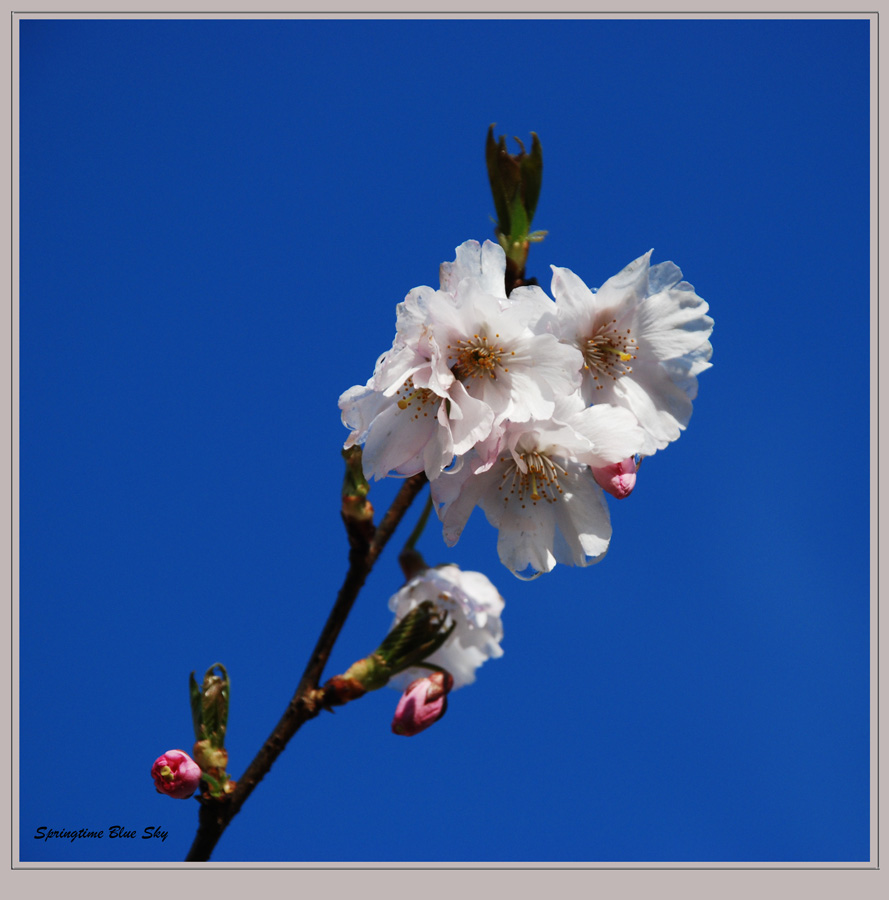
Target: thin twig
point(307, 702)
point(411, 542)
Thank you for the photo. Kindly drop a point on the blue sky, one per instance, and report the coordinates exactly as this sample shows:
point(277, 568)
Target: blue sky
point(217, 220)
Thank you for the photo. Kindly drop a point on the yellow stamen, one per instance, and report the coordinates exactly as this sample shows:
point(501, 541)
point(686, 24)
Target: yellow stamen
point(421, 393)
point(624, 357)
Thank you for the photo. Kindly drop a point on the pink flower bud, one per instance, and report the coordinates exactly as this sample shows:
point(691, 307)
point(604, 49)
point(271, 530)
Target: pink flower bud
point(176, 774)
point(618, 479)
point(423, 703)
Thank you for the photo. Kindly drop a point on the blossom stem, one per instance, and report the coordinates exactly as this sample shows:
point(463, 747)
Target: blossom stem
point(411, 542)
point(410, 559)
point(307, 701)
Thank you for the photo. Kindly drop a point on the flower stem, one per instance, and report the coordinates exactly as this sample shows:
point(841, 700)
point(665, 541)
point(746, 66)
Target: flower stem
point(308, 701)
point(410, 559)
point(411, 542)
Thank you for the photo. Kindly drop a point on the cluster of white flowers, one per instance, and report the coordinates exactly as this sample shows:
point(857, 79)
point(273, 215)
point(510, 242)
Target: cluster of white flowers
point(528, 406)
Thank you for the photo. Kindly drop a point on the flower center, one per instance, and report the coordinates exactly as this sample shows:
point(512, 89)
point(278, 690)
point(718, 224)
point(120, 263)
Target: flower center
point(476, 358)
point(536, 479)
point(417, 398)
point(607, 353)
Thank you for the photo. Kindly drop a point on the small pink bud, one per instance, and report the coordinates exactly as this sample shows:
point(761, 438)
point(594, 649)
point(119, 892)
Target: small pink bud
point(423, 703)
point(618, 479)
point(176, 774)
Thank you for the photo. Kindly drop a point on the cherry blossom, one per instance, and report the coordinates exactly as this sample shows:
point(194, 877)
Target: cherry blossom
point(535, 485)
point(463, 362)
point(472, 604)
point(644, 339)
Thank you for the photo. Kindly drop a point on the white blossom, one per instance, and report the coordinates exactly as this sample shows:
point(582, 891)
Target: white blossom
point(472, 603)
point(535, 485)
point(527, 406)
point(463, 362)
point(644, 339)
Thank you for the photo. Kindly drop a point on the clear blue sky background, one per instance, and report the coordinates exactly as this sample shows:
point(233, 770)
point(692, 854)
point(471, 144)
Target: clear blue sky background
point(217, 220)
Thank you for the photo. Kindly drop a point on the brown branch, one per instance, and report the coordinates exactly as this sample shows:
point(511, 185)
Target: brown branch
point(515, 273)
point(366, 544)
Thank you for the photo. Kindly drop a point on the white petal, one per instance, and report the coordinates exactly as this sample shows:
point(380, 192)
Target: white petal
point(613, 431)
point(455, 496)
point(411, 313)
point(583, 521)
point(525, 539)
point(396, 366)
point(396, 438)
point(534, 305)
point(470, 420)
point(484, 264)
point(359, 406)
point(663, 276)
point(673, 323)
point(629, 285)
point(571, 293)
point(684, 371)
point(662, 407)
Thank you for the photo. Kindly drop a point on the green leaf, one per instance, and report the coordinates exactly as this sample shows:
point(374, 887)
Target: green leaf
point(223, 712)
point(214, 704)
point(532, 175)
point(418, 635)
point(420, 653)
point(499, 190)
point(515, 183)
point(520, 222)
point(216, 786)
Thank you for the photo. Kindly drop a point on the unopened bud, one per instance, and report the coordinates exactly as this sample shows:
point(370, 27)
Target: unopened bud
point(209, 704)
point(210, 757)
point(423, 703)
point(618, 479)
point(515, 185)
point(176, 774)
